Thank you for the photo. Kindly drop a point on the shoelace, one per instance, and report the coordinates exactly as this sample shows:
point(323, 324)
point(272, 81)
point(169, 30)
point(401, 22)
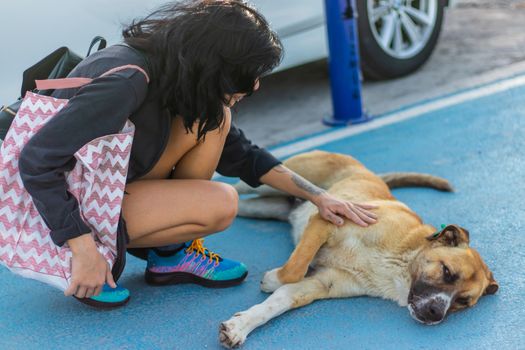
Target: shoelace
point(198, 247)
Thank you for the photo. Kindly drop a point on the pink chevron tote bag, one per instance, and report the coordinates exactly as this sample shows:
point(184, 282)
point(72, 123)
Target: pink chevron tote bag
point(97, 181)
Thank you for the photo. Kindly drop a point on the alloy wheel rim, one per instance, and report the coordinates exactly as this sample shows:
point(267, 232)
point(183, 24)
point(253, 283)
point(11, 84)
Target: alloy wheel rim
point(402, 28)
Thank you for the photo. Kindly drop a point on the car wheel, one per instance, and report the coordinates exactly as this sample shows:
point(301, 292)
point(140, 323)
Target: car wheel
point(397, 36)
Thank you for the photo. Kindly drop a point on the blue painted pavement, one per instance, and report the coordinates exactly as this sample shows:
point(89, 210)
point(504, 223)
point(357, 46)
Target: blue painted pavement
point(478, 145)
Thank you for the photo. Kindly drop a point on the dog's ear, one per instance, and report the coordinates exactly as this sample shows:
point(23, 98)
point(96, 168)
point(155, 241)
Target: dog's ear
point(493, 286)
point(451, 235)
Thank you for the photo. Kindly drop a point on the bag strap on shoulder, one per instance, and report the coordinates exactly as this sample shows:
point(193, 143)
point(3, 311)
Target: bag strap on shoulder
point(68, 83)
point(102, 43)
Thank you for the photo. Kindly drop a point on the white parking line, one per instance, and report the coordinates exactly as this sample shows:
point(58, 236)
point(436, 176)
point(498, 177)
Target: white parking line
point(399, 116)
point(396, 117)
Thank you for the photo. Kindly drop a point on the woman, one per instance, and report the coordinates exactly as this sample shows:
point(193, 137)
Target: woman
point(202, 57)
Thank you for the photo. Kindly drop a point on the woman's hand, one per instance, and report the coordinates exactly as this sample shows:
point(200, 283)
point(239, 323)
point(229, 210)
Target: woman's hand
point(330, 208)
point(333, 209)
point(89, 269)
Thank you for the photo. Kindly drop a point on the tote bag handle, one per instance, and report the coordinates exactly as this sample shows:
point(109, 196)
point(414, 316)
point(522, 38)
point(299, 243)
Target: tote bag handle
point(68, 83)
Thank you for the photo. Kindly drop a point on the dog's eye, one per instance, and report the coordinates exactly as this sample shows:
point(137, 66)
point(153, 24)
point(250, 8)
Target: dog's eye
point(448, 277)
point(463, 301)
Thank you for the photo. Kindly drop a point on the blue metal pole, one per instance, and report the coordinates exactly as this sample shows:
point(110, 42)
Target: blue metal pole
point(344, 63)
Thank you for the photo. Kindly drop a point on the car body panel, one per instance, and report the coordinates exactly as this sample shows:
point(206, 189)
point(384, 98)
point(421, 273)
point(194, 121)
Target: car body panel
point(54, 23)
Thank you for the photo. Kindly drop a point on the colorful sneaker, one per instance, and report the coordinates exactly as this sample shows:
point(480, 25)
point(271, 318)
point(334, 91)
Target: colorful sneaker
point(108, 298)
point(193, 263)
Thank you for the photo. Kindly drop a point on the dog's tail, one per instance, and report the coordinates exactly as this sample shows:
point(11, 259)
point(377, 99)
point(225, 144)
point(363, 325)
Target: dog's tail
point(396, 180)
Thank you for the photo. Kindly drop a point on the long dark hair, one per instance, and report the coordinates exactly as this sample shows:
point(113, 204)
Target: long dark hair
point(199, 51)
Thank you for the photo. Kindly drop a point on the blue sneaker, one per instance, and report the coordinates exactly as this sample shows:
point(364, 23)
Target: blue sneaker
point(108, 298)
point(193, 263)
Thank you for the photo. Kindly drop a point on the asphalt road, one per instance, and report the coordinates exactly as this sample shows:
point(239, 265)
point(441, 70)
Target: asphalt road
point(481, 41)
point(480, 153)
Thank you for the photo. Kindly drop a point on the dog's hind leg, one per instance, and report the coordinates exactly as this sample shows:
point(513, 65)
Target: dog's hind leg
point(278, 208)
point(316, 233)
point(324, 283)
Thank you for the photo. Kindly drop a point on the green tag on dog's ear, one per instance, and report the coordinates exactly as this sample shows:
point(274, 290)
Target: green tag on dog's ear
point(437, 233)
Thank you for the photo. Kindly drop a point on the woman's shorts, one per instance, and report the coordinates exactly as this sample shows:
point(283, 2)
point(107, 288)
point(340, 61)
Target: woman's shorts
point(141, 253)
point(122, 229)
point(122, 243)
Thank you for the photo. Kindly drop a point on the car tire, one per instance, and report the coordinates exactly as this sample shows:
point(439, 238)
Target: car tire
point(379, 64)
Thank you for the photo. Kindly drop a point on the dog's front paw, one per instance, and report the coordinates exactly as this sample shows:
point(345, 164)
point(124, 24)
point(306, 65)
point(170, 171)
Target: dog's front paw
point(232, 333)
point(270, 281)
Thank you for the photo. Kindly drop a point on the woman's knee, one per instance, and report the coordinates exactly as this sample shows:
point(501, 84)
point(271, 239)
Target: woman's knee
point(227, 205)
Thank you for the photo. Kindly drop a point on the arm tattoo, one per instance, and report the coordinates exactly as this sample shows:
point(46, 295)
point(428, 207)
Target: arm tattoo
point(281, 169)
point(306, 185)
point(299, 181)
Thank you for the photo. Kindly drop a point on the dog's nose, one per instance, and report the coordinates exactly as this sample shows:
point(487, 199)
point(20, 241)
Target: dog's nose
point(433, 311)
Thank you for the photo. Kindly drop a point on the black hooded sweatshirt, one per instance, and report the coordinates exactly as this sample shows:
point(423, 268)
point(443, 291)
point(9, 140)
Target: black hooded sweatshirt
point(101, 108)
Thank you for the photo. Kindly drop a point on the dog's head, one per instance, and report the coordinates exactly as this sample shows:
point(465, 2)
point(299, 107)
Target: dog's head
point(447, 276)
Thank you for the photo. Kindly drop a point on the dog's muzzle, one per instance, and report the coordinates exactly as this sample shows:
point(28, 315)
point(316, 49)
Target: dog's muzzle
point(427, 304)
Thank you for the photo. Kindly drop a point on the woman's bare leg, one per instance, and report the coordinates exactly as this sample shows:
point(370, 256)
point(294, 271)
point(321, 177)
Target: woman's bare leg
point(162, 212)
point(165, 211)
point(202, 160)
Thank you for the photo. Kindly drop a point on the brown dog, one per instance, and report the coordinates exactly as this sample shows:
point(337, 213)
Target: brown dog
point(399, 258)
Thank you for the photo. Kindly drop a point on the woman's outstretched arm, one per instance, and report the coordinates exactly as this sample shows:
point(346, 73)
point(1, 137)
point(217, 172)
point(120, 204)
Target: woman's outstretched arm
point(241, 158)
point(330, 207)
point(255, 166)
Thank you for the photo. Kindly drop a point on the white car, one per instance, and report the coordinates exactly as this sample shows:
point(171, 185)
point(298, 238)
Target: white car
point(396, 36)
